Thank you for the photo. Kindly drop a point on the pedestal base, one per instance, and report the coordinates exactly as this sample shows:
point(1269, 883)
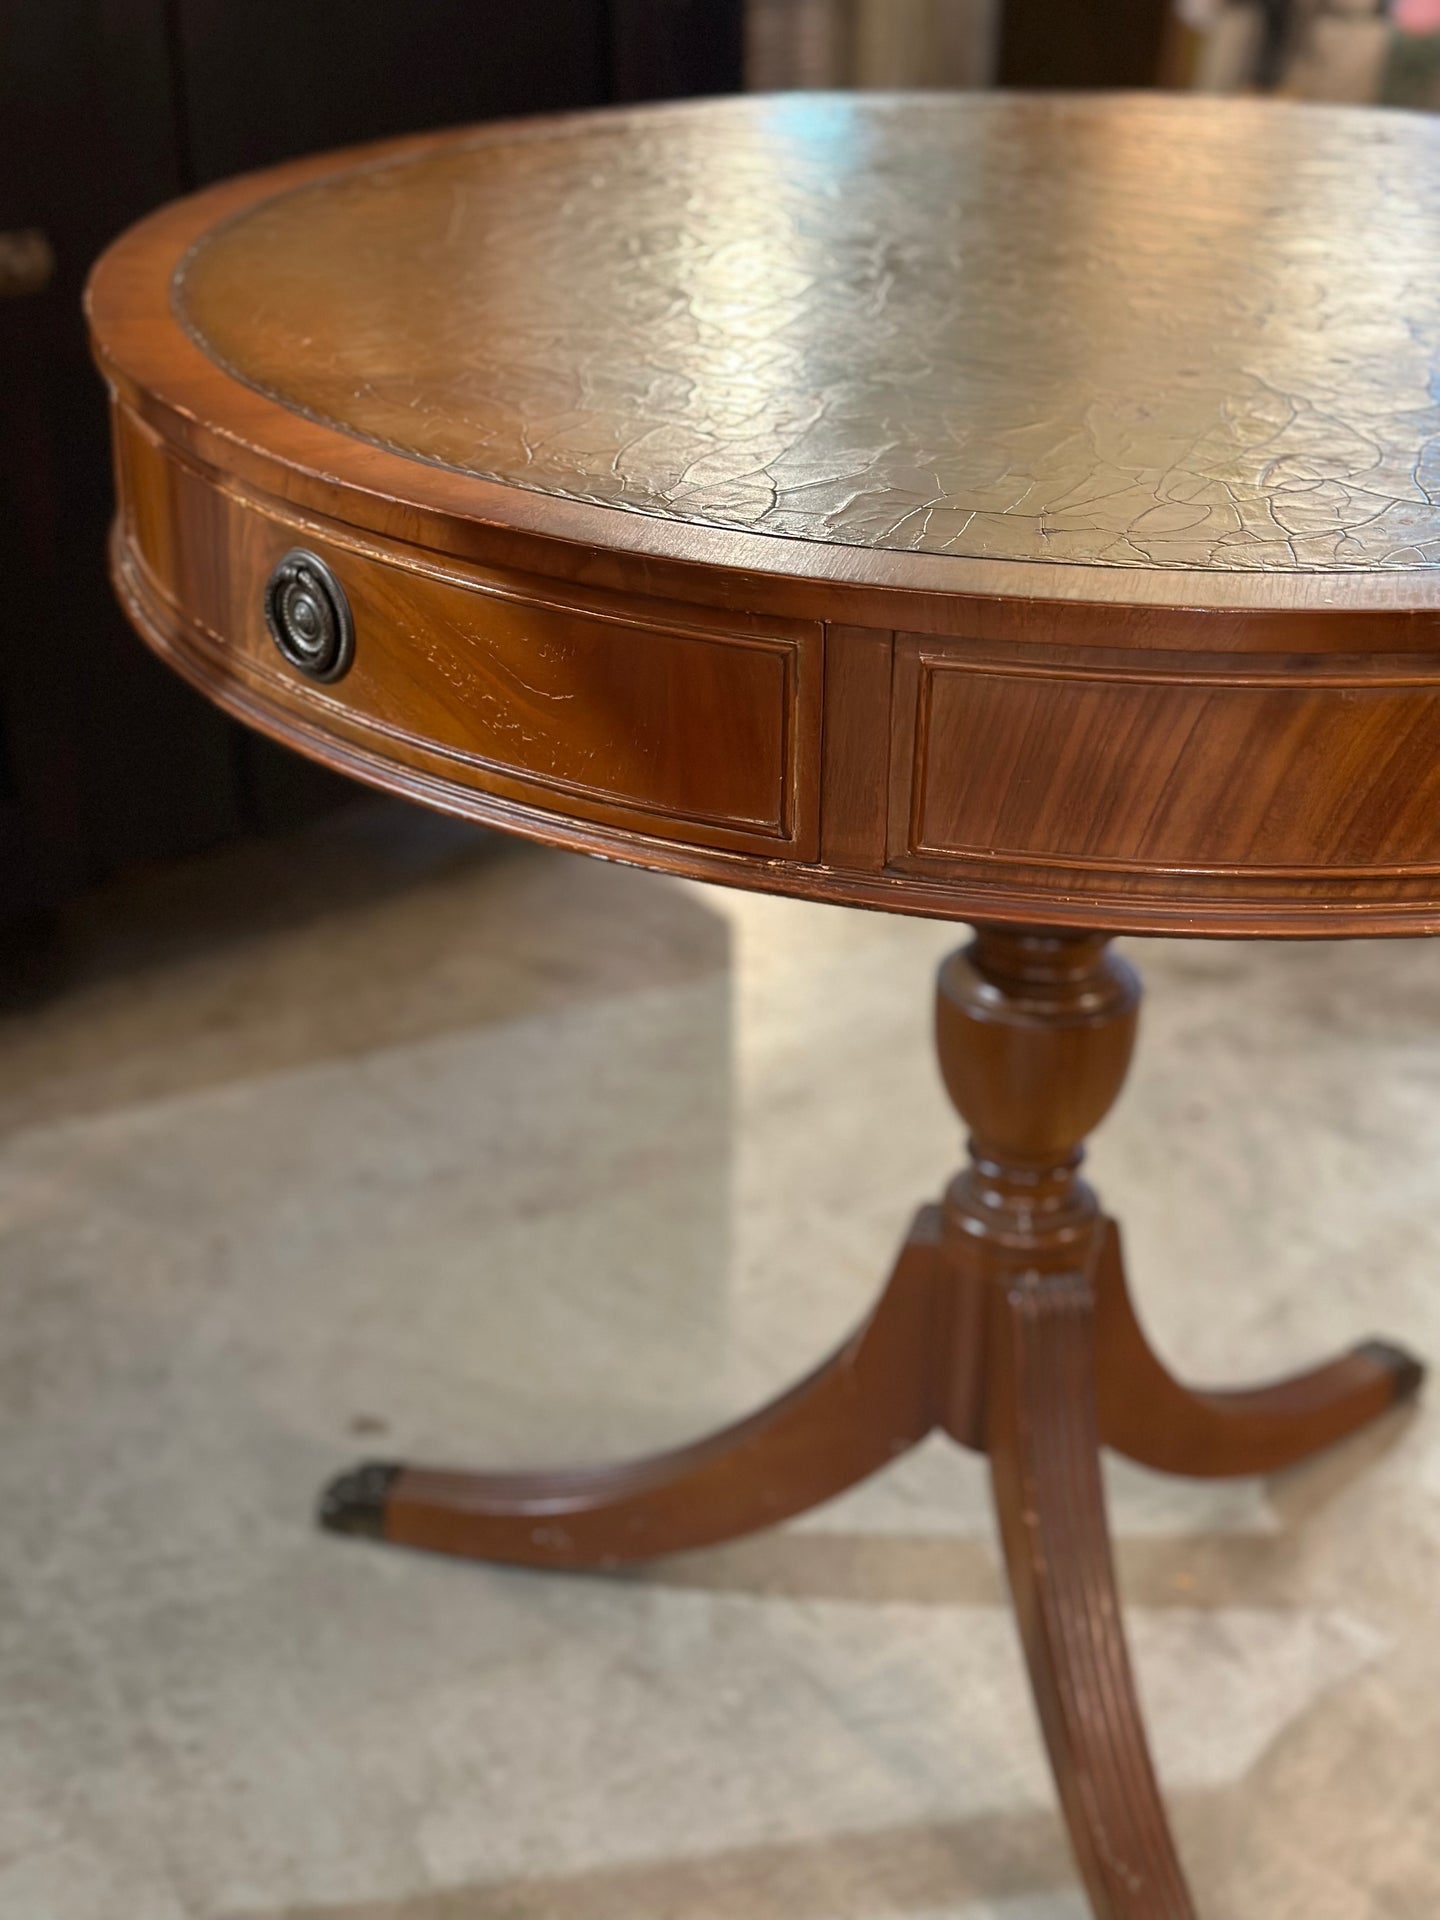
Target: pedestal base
point(1007, 1322)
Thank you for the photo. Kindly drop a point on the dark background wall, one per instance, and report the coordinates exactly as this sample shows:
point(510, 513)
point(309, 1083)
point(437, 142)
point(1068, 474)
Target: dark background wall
point(1081, 43)
point(107, 108)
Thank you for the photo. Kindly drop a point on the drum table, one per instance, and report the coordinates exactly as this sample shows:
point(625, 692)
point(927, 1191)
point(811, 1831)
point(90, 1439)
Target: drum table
point(1020, 511)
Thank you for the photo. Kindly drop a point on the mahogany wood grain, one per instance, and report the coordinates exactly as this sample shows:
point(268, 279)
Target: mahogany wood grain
point(1017, 511)
point(856, 753)
point(1104, 775)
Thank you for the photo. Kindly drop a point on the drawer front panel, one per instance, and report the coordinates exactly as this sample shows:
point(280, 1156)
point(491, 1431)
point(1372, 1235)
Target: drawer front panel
point(671, 719)
point(1234, 769)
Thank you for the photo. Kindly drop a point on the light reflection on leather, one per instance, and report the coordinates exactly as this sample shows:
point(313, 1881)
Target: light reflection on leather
point(1144, 331)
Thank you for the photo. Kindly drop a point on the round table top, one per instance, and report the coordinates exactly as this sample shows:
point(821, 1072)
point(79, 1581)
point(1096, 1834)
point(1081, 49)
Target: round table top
point(1109, 333)
point(1050, 386)
point(1156, 335)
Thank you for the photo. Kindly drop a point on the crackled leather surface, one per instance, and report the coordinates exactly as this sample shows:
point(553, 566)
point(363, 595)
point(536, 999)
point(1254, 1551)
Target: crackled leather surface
point(1125, 332)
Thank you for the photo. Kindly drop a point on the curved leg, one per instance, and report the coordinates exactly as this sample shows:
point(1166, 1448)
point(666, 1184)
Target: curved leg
point(1149, 1415)
point(872, 1400)
point(1043, 1442)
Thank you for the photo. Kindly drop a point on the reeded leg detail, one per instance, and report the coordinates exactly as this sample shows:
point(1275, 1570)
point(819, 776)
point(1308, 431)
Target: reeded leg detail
point(871, 1401)
point(1043, 1443)
point(1150, 1416)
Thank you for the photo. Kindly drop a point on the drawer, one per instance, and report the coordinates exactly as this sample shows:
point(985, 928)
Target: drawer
point(1094, 769)
point(665, 718)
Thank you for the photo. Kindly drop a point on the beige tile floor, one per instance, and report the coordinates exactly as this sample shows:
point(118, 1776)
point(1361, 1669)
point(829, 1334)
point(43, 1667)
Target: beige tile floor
point(395, 1140)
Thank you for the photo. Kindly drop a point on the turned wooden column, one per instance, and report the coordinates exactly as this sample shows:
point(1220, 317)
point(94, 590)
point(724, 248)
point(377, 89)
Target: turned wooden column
point(1034, 1033)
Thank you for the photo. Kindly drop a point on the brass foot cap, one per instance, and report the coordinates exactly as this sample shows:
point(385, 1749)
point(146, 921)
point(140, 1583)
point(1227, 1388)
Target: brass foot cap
point(354, 1502)
point(1409, 1372)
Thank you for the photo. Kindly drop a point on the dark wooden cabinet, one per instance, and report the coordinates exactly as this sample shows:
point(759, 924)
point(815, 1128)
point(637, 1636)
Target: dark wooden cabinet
point(108, 108)
point(331, 72)
point(1081, 43)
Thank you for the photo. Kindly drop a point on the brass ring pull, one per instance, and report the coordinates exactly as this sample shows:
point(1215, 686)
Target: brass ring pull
point(309, 617)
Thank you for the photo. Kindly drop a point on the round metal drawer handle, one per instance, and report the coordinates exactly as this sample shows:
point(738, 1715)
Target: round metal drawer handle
point(309, 616)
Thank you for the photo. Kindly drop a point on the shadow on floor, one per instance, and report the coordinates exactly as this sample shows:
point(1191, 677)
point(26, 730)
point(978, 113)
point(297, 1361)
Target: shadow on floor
point(374, 928)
